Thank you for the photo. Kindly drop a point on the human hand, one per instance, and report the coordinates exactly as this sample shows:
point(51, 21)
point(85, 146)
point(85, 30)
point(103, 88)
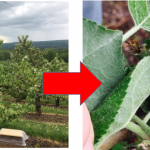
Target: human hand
point(88, 132)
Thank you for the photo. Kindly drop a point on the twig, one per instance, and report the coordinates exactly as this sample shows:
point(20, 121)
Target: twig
point(114, 139)
point(6, 3)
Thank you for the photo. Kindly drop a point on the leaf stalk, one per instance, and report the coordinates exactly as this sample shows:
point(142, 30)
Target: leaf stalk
point(137, 129)
point(130, 32)
point(147, 117)
point(143, 125)
point(134, 29)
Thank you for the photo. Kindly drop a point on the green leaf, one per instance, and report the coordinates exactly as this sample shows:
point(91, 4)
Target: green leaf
point(118, 109)
point(140, 11)
point(102, 55)
point(6, 118)
point(120, 146)
point(104, 115)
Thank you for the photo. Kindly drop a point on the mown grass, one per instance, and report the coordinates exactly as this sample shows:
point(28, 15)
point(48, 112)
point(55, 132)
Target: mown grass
point(47, 131)
point(52, 110)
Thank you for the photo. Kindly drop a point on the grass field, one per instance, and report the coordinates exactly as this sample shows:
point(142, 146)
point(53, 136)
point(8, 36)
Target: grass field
point(51, 101)
point(37, 128)
point(47, 131)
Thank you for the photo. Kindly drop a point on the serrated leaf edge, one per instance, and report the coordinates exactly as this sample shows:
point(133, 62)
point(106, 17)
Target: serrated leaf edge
point(109, 133)
point(123, 57)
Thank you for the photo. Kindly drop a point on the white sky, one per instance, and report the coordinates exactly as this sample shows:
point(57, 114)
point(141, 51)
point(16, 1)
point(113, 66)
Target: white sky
point(41, 20)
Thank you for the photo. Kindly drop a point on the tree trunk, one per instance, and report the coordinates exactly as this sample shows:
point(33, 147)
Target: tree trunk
point(38, 105)
point(57, 102)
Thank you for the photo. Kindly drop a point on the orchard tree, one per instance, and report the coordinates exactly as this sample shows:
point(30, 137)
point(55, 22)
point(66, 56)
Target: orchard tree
point(4, 55)
point(22, 75)
point(50, 54)
point(1, 43)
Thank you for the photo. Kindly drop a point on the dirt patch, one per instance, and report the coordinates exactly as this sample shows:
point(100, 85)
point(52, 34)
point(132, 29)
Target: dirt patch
point(48, 114)
point(34, 142)
point(47, 118)
point(7, 145)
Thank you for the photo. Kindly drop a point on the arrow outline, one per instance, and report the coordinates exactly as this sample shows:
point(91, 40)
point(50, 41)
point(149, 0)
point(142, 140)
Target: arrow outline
point(73, 72)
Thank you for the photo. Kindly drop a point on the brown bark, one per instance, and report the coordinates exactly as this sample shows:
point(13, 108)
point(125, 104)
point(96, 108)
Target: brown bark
point(38, 105)
point(57, 102)
point(114, 139)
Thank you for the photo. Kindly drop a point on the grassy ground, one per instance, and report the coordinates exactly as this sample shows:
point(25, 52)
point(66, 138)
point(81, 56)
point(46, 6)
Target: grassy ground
point(52, 110)
point(51, 131)
point(63, 102)
point(47, 131)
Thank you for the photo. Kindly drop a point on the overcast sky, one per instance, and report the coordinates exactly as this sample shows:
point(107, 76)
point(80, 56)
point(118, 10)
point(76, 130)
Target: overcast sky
point(42, 21)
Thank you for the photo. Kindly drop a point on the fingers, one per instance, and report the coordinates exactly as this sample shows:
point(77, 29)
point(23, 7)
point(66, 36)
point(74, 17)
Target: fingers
point(86, 125)
point(88, 145)
point(88, 133)
point(92, 133)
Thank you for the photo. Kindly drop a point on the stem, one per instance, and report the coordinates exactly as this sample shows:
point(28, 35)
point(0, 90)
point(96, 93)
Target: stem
point(130, 32)
point(144, 126)
point(134, 29)
point(147, 117)
point(114, 139)
point(137, 129)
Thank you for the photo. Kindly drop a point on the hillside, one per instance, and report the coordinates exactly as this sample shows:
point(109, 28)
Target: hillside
point(57, 44)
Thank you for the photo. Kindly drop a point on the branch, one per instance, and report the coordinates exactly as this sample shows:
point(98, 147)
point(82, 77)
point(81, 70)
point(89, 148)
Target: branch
point(6, 3)
point(31, 59)
point(114, 139)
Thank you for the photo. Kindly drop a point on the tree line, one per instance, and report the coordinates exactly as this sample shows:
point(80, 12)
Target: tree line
point(6, 54)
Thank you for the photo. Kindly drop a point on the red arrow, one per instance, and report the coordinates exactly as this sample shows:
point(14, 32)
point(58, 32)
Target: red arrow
point(83, 83)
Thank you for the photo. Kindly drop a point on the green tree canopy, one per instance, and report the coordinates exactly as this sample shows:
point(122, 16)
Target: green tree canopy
point(21, 77)
point(1, 43)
